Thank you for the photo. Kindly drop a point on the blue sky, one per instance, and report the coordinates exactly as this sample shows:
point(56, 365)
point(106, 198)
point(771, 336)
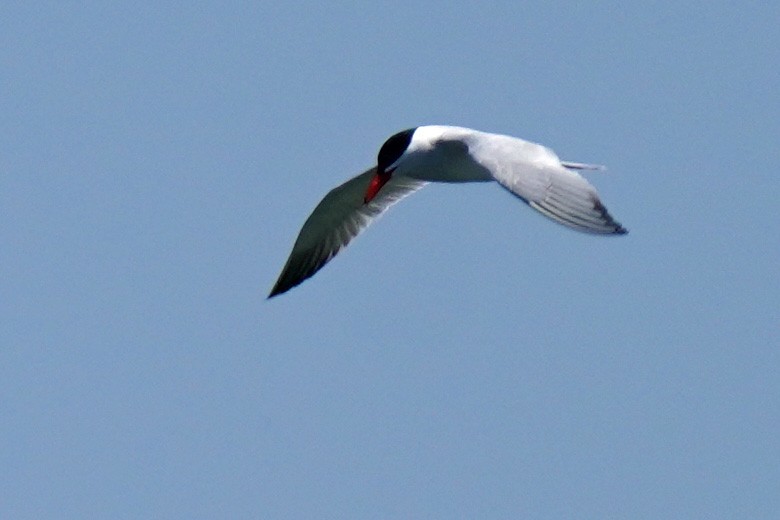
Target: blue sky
point(464, 358)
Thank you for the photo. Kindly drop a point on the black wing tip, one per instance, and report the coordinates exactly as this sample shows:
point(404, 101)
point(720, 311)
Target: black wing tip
point(602, 210)
point(298, 270)
point(282, 286)
point(276, 291)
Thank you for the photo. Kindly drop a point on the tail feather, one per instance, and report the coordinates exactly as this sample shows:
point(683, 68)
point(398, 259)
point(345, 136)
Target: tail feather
point(583, 166)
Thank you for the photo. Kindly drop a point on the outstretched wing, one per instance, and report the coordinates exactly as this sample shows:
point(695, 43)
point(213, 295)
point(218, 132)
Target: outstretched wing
point(536, 175)
point(336, 220)
point(564, 196)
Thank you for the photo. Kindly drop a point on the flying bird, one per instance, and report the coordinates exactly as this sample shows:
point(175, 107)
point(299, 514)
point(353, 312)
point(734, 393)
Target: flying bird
point(410, 159)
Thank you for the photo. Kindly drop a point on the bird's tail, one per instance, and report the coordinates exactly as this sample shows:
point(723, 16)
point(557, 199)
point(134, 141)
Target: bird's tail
point(583, 166)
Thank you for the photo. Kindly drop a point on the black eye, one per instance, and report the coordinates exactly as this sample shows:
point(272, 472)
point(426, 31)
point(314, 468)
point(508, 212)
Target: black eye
point(393, 149)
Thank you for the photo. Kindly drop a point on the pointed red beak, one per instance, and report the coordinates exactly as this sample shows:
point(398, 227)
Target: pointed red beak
point(379, 180)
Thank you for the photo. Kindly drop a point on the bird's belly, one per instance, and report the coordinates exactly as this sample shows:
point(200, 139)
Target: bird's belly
point(449, 171)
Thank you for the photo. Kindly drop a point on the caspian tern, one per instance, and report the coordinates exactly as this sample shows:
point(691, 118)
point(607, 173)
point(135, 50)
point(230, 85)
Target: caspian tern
point(410, 159)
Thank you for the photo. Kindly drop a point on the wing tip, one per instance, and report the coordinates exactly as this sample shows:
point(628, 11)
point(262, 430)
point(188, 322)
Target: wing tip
point(618, 227)
point(289, 279)
point(277, 290)
point(282, 286)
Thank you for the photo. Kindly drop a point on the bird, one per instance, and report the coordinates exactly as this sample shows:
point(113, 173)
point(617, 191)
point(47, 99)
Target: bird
point(414, 157)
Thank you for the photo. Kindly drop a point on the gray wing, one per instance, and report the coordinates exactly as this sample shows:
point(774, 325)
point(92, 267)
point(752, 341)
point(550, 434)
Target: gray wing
point(554, 190)
point(336, 220)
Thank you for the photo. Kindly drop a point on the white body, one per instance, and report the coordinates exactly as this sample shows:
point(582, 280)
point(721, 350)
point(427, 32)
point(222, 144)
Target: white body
point(456, 154)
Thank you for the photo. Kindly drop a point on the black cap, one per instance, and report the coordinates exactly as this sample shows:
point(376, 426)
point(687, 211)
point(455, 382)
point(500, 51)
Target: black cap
point(394, 148)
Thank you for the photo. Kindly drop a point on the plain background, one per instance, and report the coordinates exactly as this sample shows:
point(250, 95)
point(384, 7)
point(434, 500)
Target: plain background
point(465, 358)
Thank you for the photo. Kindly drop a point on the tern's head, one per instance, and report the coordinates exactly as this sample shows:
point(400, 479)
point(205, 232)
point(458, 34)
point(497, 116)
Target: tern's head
point(392, 150)
point(387, 161)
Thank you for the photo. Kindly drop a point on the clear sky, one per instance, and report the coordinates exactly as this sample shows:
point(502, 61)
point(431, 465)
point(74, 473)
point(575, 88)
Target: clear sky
point(465, 357)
